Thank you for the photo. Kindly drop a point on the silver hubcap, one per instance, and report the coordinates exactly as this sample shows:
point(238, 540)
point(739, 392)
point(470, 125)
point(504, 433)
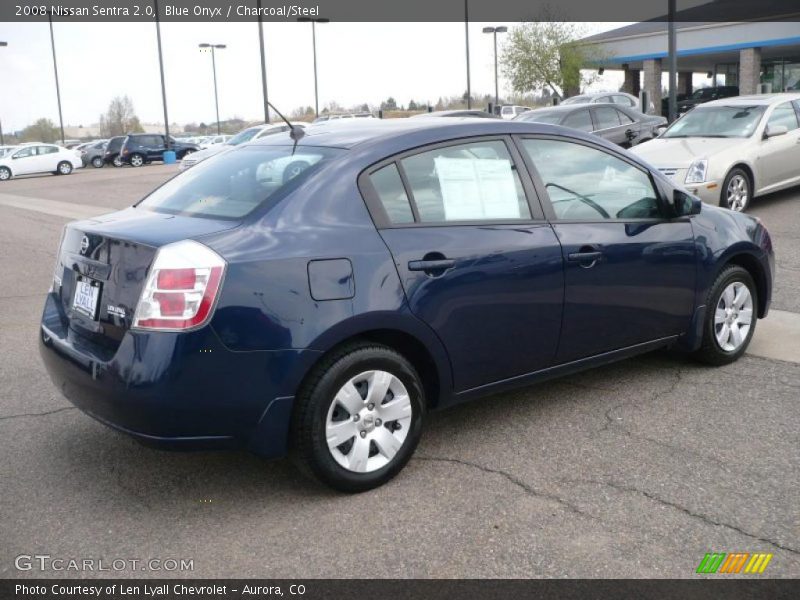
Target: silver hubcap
point(733, 316)
point(136, 161)
point(737, 193)
point(65, 168)
point(368, 421)
point(3, 174)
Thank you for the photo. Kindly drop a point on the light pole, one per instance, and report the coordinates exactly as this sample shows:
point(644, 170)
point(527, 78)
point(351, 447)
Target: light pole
point(214, 69)
point(55, 70)
point(2, 140)
point(161, 69)
point(466, 34)
point(263, 63)
point(314, 44)
point(494, 31)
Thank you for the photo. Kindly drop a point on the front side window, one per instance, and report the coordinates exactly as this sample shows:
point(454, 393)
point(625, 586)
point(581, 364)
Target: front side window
point(783, 114)
point(588, 184)
point(25, 152)
point(467, 182)
point(237, 182)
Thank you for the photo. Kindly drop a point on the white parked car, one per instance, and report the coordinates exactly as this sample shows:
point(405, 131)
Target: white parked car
point(621, 98)
point(246, 135)
point(729, 151)
point(39, 158)
point(509, 111)
point(213, 140)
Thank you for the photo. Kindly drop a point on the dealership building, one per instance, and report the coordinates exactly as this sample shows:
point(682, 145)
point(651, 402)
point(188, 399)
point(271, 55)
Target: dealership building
point(758, 57)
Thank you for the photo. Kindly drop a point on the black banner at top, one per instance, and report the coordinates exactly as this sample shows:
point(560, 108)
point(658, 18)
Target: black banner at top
point(397, 10)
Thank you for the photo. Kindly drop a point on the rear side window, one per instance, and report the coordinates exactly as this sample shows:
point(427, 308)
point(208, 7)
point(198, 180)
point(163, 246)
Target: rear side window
point(606, 117)
point(235, 183)
point(588, 184)
point(467, 182)
point(580, 119)
point(392, 194)
point(623, 118)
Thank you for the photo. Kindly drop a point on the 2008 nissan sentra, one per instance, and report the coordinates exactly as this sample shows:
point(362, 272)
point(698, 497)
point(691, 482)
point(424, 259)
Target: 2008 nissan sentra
point(318, 296)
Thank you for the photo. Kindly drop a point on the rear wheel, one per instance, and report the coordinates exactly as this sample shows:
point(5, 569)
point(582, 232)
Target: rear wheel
point(64, 168)
point(5, 173)
point(98, 163)
point(136, 160)
point(359, 418)
point(730, 317)
point(117, 162)
point(736, 191)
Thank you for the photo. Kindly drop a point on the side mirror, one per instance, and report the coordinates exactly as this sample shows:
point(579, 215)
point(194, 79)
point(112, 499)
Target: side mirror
point(773, 130)
point(686, 205)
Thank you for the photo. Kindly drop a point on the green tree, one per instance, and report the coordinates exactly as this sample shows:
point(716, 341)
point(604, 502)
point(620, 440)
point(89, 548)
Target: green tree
point(546, 55)
point(120, 118)
point(43, 130)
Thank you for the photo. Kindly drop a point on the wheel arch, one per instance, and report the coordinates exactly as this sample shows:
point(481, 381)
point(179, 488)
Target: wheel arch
point(753, 266)
point(751, 174)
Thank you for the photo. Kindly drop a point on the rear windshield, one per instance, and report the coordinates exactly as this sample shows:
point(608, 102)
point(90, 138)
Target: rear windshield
point(232, 184)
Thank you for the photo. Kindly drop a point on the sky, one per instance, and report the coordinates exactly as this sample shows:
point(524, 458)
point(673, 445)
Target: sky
point(357, 63)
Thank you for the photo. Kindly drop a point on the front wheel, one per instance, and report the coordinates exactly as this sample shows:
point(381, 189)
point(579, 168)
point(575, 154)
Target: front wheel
point(359, 418)
point(64, 168)
point(5, 173)
point(136, 160)
point(736, 191)
point(117, 162)
point(98, 162)
point(730, 317)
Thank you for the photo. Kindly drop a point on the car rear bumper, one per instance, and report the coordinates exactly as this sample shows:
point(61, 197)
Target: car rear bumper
point(176, 390)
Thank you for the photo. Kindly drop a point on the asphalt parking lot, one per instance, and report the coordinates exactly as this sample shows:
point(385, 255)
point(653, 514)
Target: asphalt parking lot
point(633, 470)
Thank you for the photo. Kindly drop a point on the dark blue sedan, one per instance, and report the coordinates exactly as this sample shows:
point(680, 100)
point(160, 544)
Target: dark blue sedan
point(318, 296)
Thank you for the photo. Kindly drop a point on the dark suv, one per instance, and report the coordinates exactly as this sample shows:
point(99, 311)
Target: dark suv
point(141, 148)
point(706, 95)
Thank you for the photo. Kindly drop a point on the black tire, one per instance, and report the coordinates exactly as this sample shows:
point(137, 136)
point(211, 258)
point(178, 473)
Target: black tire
point(711, 352)
point(740, 176)
point(5, 173)
point(64, 168)
point(136, 160)
point(309, 448)
point(293, 169)
point(98, 162)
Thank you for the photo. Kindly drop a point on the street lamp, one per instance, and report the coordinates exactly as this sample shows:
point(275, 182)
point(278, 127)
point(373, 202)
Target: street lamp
point(494, 31)
point(55, 70)
point(2, 140)
point(214, 68)
point(314, 43)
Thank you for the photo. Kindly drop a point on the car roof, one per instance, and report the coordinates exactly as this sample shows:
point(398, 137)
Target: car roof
point(755, 100)
point(424, 131)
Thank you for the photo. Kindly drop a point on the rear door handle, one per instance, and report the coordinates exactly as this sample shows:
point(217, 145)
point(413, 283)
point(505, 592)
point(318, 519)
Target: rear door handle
point(431, 265)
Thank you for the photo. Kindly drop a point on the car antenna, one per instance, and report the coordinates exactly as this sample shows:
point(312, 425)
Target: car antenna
point(296, 133)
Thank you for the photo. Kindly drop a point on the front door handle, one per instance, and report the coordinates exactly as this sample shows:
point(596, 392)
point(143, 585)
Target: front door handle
point(431, 266)
point(586, 256)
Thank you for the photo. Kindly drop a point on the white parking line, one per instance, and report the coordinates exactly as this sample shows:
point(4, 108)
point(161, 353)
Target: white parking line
point(70, 210)
point(777, 337)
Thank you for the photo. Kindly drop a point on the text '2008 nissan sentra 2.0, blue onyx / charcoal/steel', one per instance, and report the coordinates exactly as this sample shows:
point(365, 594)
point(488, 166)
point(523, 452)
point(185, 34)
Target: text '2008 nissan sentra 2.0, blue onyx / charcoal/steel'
point(316, 295)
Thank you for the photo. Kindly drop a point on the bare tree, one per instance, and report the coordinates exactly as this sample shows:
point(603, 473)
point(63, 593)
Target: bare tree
point(43, 130)
point(120, 118)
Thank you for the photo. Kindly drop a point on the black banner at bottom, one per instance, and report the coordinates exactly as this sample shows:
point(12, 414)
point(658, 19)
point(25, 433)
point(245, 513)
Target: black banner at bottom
point(393, 589)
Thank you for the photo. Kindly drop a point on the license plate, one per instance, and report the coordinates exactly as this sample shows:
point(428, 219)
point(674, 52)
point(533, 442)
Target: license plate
point(87, 293)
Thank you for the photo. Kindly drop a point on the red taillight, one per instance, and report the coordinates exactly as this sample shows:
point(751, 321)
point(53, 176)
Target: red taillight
point(176, 279)
point(178, 296)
